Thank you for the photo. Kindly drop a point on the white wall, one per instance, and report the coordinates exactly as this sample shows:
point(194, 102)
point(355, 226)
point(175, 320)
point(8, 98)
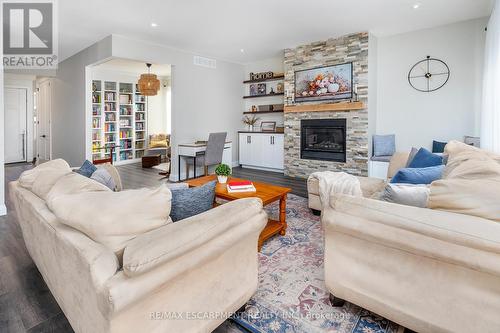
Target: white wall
point(448, 113)
point(275, 65)
point(70, 139)
point(204, 100)
point(157, 109)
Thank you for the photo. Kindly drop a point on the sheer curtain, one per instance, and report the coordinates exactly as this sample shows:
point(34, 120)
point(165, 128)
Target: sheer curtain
point(490, 114)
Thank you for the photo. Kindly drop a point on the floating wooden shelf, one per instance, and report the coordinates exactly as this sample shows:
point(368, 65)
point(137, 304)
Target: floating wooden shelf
point(261, 112)
point(341, 106)
point(266, 95)
point(275, 78)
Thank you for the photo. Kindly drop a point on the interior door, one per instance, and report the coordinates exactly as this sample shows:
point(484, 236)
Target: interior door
point(44, 105)
point(15, 125)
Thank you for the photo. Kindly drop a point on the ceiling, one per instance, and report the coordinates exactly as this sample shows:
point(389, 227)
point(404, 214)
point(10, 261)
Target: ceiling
point(249, 30)
point(135, 67)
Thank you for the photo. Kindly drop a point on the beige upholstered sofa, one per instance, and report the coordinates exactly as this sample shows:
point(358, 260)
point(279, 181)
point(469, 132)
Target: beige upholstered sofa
point(181, 277)
point(369, 186)
point(431, 270)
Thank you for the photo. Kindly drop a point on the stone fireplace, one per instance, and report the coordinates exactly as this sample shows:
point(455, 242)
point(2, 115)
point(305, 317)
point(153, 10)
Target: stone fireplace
point(354, 157)
point(323, 139)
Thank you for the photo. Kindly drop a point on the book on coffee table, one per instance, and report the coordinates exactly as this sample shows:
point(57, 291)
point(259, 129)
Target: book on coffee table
point(240, 186)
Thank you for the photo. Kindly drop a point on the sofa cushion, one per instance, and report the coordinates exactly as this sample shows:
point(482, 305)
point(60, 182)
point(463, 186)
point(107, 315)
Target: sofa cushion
point(187, 202)
point(459, 153)
point(114, 218)
point(111, 169)
point(369, 185)
point(40, 179)
point(406, 194)
point(418, 175)
point(472, 188)
point(74, 183)
point(413, 152)
point(424, 159)
point(398, 161)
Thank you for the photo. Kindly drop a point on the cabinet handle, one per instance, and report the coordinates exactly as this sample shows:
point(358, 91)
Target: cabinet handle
point(272, 139)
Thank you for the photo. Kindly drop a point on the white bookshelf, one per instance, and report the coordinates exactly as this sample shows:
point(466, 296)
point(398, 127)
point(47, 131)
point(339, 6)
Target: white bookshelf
point(119, 119)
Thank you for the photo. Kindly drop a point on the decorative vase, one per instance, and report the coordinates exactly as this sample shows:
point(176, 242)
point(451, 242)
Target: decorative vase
point(222, 179)
point(250, 128)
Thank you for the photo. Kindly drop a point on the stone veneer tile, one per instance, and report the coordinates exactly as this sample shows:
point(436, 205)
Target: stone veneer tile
point(350, 48)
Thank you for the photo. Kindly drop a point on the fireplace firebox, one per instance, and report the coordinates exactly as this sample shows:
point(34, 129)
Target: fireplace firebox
point(323, 139)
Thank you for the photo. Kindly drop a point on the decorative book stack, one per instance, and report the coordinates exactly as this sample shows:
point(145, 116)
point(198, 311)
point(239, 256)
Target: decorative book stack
point(241, 186)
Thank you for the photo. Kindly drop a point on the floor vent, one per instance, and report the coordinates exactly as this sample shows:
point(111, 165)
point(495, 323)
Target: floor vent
point(204, 62)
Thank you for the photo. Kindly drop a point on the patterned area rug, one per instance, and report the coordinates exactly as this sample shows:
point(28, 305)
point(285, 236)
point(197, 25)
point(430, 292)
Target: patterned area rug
point(292, 295)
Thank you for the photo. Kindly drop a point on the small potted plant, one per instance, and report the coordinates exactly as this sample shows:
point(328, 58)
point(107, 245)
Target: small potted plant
point(222, 171)
point(250, 121)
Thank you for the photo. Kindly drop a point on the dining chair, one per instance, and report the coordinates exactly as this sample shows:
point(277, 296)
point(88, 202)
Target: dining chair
point(213, 152)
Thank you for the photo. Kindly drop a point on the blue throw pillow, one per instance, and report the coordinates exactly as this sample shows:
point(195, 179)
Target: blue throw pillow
point(424, 158)
point(438, 147)
point(418, 175)
point(187, 202)
point(87, 169)
point(384, 145)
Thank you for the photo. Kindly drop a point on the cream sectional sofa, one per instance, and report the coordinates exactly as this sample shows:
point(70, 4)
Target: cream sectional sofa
point(431, 270)
point(369, 186)
point(181, 277)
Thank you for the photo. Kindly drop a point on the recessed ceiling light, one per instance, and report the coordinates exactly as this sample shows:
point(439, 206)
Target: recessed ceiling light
point(242, 50)
point(416, 6)
point(154, 25)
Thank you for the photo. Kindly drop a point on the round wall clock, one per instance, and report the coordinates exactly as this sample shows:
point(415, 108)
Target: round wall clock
point(429, 74)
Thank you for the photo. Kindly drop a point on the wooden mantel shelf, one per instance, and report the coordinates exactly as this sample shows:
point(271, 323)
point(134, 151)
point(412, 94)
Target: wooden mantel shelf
point(341, 106)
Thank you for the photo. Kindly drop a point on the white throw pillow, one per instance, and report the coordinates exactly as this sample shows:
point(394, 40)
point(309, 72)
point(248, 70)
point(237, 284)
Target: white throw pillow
point(102, 176)
point(74, 183)
point(114, 218)
point(40, 179)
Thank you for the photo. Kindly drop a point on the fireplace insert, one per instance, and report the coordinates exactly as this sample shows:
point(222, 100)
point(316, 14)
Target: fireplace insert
point(323, 139)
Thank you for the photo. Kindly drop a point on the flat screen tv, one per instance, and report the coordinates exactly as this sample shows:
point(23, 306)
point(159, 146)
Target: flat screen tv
point(324, 83)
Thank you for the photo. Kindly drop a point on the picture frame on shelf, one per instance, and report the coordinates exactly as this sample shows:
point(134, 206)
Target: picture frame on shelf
point(253, 89)
point(261, 89)
point(268, 126)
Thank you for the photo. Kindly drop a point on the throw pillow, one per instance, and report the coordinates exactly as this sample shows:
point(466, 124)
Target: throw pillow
point(87, 169)
point(413, 152)
point(192, 201)
point(42, 178)
point(406, 194)
point(102, 176)
point(114, 218)
point(384, 145)
point(438, 147)
point(424, 158)
point(418, 175)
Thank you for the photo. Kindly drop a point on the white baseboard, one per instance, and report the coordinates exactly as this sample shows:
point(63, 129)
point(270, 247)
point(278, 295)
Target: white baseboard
point(3, 209)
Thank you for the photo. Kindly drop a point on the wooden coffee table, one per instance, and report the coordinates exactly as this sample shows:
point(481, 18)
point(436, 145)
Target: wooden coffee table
point(266, 192)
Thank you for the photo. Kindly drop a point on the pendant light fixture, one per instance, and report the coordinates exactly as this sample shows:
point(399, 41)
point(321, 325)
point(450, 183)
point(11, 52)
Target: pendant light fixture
point(149, 83)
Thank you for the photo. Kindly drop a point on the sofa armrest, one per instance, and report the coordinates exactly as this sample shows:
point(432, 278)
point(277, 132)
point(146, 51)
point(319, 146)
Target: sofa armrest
point(457, 238)
point(157, 247)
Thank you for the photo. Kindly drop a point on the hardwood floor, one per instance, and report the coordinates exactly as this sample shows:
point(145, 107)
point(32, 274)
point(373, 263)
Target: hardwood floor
point(26, 304)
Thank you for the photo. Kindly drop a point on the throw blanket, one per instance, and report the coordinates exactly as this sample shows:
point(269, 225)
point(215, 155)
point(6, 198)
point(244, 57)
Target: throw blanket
point(335, 183)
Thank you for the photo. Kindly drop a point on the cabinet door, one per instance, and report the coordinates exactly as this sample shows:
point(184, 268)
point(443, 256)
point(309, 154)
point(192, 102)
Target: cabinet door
point(255, 145)
point(267, 150)
point(278, 147)
point(244, 148)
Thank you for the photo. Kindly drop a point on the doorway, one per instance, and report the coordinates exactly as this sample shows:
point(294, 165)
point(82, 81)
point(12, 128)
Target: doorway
point(16, 107)
point(44, 104)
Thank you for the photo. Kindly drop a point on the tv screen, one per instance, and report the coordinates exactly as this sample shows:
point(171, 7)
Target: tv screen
point(324, 83)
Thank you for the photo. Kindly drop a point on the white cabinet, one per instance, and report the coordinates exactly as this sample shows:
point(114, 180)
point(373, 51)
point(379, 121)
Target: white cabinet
point(261, 150)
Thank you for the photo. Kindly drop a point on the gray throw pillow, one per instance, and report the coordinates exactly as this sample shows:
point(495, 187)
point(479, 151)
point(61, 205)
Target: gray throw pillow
point(102, 176)
point(413, 152)
point(384, 145)
point(406, 194)
point(187, 202)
